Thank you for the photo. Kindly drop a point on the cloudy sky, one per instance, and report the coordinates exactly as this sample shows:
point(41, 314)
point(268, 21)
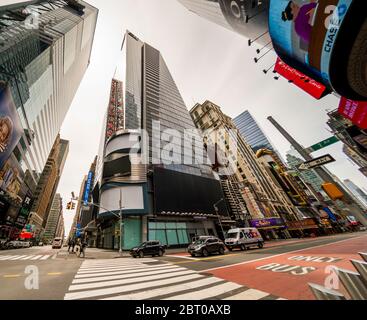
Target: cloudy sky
point(207, 63)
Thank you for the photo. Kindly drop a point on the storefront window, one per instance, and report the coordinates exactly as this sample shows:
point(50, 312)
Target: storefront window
point(172, 236)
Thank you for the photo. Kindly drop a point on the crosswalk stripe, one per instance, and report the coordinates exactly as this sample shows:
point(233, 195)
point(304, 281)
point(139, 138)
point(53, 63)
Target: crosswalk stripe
point(127, 288)
point(27, 258)
point(207, 293)
point(116, 269)
point(4, 257)
point(166, 290)
point(36, 257)
point(24, 257)
point(250, 294)
point(118, 261)
point(17, 257)
point(127, 281)
point(135, 275)
point(111, 267)
point(123, 271)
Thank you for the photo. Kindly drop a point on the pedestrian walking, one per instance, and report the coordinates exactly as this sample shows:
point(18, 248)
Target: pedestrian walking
point(73, 245)
point(83, 247)
point(70, 244)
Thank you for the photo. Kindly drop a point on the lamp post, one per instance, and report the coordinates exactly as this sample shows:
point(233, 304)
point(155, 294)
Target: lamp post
point(217, 212)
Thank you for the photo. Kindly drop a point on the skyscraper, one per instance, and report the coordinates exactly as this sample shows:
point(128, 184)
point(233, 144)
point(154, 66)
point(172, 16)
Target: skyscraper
point(164, 195)
point(45, 48)
point(54, 217)
point(251, 132)
point(265, 200)
point(357, 192)
point(47, 185)
point(247, 17)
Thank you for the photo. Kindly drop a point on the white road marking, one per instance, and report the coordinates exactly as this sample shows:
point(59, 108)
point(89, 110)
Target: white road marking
point(250, 294)
point(129, 275)
point(207, 293)
point(127, 288)
point(166, 290)
point(281, 254)
point(127, 281)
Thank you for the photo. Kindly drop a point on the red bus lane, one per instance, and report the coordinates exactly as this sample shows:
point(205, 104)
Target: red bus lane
point(287, 275)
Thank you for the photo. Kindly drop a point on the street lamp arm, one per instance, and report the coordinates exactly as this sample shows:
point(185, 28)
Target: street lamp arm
point(98, 206)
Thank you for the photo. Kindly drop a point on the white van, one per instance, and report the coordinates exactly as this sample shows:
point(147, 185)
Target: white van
point(243, 238)
point(57, 243)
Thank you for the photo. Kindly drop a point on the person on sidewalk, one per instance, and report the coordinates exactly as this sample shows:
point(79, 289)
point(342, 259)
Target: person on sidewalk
point(83, 247)
point(71, 245)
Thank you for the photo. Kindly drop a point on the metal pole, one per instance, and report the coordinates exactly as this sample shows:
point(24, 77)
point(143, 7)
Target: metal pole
point(120, 249)
point(217, 212)
point(321, 171)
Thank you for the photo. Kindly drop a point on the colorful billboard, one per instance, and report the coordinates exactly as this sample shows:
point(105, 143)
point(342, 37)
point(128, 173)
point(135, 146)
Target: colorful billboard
point(311, 86)
point(12, 181)
point(304, 33)
point(355, 111)
point(10, 126)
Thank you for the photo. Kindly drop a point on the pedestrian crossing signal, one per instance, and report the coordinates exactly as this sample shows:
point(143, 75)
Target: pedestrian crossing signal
point(72, 205)
point(69, 206)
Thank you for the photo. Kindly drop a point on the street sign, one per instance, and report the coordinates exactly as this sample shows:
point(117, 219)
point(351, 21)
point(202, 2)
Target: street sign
point(322, 144)
point(317, 162)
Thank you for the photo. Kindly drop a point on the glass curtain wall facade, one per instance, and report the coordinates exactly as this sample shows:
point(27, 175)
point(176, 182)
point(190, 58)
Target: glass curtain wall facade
point(135, 159)
point(45, 49)
point(251, 132)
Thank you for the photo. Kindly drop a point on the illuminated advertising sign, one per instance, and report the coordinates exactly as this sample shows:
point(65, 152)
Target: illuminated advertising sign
point(88, 187)
point(10, 126)
point(262, 223)
point(312, 87)
point(304, 33)
point(355, 111)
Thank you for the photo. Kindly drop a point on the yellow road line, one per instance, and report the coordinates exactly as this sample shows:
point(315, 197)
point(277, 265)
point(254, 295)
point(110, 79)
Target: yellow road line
point(208, 258)
point(53, 273)
point(11, 275)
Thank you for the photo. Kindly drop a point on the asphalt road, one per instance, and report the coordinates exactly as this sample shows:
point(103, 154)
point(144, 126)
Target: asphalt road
point(279, 270)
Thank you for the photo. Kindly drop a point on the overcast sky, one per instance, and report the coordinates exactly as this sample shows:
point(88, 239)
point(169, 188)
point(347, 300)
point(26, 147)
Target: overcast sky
point(207, 62)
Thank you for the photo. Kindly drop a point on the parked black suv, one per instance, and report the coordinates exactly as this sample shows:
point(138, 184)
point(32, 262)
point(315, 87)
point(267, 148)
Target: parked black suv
point(205, 245)
point(148, 248)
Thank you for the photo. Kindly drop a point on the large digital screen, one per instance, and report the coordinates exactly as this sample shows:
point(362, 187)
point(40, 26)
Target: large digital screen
point(304, 33)
point(10, 126)
point(179, 192)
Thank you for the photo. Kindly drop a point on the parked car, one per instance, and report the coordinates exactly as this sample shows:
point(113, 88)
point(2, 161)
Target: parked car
point(243, 238)
point(57, 243)
point(16, 244)
point(205, 245)
point(40, 244)
point(148, 248)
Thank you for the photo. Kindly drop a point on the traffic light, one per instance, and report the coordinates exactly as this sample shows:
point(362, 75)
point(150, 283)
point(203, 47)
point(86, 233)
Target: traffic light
point(72, 206)
point(68, 206)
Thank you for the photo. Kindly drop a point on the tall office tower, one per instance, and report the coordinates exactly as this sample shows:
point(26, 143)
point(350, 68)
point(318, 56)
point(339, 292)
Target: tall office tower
point(60, 229)
point(47, 185)
point(251, 132)
point(147, 165)
point(54, 217)
point(267, 203)
point(247, 17)
point(45, 49)
point(357, 192)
